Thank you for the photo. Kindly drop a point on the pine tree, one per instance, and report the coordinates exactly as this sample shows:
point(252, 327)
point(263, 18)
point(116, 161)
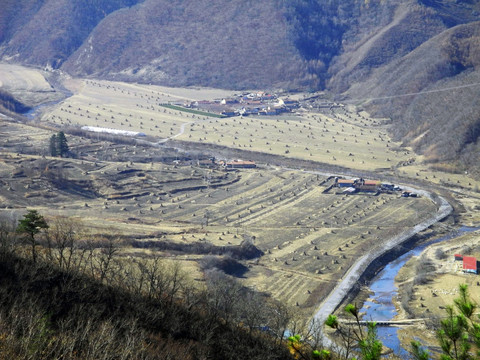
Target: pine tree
point(30, 225)
point(53, 145)
point(62, 145)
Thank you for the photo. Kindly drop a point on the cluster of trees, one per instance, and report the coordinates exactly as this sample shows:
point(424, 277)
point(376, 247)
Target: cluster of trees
point(67, 295)
point(59, 145)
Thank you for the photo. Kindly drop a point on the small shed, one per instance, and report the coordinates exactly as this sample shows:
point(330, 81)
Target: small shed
point(470, 264)
point(458, 257)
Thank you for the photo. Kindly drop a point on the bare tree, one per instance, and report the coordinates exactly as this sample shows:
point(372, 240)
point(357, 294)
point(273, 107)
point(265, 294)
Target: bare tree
point(224, 296)
point(64, 243)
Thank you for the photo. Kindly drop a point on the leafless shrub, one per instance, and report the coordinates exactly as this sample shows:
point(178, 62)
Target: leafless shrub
point(440, 254)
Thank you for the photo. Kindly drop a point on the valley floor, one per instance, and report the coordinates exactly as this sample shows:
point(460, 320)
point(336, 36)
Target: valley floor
point(154, 192)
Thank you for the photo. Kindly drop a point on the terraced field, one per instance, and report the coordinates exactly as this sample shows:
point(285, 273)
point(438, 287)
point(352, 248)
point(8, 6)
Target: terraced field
point(309, 238)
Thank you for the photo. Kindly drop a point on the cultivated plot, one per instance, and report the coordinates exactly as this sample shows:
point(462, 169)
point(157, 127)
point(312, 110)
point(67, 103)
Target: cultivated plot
point(338, 136)
point(306, 239)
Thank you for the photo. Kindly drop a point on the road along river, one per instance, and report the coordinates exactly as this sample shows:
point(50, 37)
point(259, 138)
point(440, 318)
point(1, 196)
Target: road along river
point(331, 303)
point(380, 307)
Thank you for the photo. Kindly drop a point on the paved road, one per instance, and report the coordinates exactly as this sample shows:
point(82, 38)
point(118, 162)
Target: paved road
point(330, 304)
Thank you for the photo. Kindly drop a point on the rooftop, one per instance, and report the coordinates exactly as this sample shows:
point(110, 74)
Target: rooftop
point(469, 263)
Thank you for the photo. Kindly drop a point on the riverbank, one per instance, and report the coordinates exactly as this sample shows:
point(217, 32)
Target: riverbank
point(350, 281)
point(429, 282)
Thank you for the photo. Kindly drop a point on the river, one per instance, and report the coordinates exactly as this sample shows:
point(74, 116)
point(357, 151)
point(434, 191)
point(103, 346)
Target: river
point(380, 305)
point(54, 80)
point(36, 111)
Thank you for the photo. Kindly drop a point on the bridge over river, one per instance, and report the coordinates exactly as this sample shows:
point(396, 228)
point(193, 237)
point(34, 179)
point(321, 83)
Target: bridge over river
point(405, 322)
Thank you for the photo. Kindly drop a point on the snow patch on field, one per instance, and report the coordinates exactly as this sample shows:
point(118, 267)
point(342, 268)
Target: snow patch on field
point(112, 131)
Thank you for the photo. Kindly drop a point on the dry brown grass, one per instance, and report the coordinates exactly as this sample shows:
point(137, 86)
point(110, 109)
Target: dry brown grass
point(309, 238)
point(343, 137)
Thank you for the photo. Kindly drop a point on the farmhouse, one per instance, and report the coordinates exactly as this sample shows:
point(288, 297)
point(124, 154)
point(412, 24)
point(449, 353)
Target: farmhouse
point(249, 111)
point(288, 103)
point(470, 264)
point(240, 164)
point(268, 111)
point(228, 101)
point(196, 104)
point(368, 185)
point(345, 183)
point(359, 184)
point(229, 113)
point(208, 163)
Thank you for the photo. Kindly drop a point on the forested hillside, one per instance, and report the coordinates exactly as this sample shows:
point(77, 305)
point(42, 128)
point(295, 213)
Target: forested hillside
point(361, 49)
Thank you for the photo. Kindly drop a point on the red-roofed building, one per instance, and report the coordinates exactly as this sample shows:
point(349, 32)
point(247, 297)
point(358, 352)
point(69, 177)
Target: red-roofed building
point(345, 182)
point(458, 257)
point(240, 164)
point(470, 264)
point(368, 185)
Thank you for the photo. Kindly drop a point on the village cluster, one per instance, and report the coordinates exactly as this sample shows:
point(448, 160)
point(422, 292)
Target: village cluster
point(351, 186)
point(260, 103)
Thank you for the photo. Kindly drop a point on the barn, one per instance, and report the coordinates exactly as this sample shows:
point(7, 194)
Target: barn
point(369, 185)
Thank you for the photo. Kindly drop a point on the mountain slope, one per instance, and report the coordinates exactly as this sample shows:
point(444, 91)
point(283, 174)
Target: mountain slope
point(187, 43)
point(441, 118)
point(53, 29)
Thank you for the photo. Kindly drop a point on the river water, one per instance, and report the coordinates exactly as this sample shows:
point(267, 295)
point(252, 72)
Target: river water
point(380, 305)
point(36, 111)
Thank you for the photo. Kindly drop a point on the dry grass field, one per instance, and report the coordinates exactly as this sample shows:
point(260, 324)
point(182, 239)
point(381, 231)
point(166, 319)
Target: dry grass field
point(128, 107)
point(27, 85)
point(342, 137)
point(309, 238)
point(20, 78)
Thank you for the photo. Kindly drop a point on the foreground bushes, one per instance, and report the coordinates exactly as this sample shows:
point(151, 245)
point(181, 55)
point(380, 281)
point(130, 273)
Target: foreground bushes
point(75, 301)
